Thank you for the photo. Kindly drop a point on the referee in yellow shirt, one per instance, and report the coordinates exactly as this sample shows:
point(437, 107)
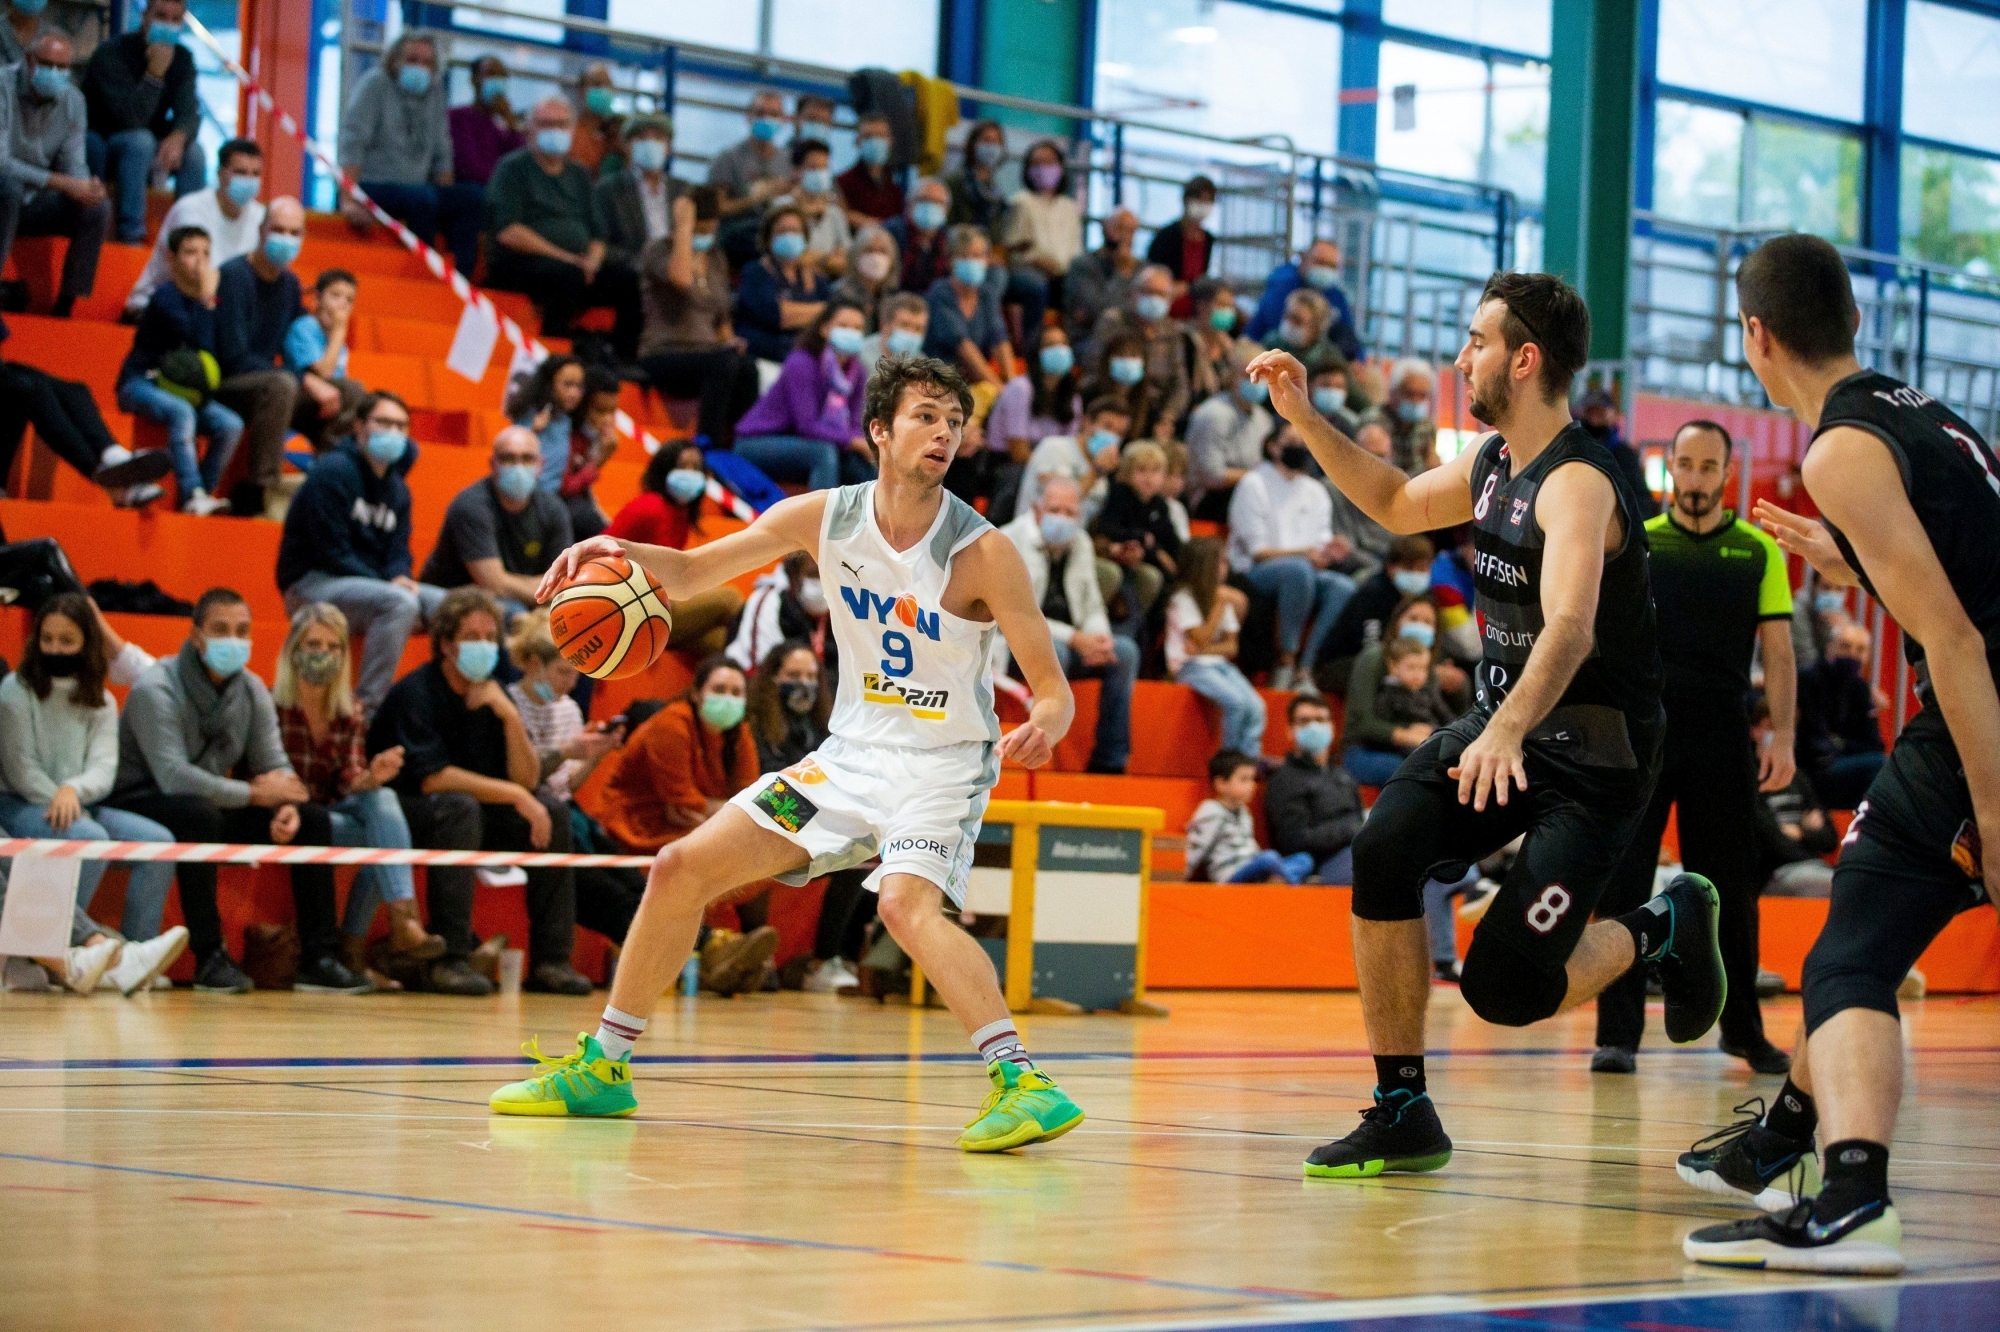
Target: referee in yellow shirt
point(1720, 587)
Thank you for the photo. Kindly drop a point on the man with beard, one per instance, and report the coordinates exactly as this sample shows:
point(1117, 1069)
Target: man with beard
point(1719, 586)
point(1561, 747)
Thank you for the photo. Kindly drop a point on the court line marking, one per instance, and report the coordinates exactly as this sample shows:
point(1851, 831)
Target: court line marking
point(663, 1228)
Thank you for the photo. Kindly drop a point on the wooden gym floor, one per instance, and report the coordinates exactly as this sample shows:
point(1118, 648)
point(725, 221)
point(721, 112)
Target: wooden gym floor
point(292, 1161)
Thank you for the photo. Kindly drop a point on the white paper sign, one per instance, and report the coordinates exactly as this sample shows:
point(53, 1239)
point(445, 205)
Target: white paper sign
point(472, 345)
point(41, 902)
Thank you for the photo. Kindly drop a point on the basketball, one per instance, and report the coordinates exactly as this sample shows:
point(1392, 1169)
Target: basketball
point(611, 620)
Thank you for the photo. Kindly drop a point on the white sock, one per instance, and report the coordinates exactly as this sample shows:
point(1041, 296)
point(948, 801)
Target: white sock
point(617, 1032)
point(1001, 1040)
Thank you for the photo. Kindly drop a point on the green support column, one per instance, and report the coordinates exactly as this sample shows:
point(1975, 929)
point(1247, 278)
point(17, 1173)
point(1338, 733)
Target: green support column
point(1593, 115)
point(1032, 48)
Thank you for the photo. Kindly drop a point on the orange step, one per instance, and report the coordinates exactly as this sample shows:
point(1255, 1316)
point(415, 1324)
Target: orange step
point(183, 554)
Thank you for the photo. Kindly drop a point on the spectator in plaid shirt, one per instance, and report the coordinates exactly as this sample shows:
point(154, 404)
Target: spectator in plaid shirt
point(323, 733)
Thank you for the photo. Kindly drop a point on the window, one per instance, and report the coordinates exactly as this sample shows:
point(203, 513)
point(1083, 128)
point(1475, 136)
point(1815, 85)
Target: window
point(1472, 121)
point(1803, 55)
point(1951, 209)
point(1510, 25)
point(1804, 178)
point(848, 34)
point(1697, 163)
point(727, 25)
point(525, 26)
point(1951, 76)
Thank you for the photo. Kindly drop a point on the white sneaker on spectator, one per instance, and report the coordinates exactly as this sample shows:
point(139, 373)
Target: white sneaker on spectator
point(85, 964)
point(201, 504)
point(25, 975)
point(141, 963)
point(829, 976)
point(161, 982)
point(136, 497)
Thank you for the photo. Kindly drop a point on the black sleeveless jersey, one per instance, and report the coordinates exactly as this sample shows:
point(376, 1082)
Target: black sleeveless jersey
point(1953, 482)
point(1623, 670)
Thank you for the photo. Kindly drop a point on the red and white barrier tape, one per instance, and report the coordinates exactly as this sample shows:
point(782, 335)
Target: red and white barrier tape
point(517, 337)
point(231, 853)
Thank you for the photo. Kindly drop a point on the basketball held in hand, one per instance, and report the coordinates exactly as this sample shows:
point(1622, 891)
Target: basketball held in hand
point(611, 620)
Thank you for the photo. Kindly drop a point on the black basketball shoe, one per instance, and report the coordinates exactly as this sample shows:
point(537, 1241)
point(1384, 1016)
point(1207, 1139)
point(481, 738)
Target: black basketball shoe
point(1691, 976)
point(1865, 1242)
point(1399, 1133)
point(1748, 1160)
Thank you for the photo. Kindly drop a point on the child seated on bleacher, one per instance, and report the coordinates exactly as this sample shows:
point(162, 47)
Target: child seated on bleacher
point(1203, 617)
point(316, 351)
point(1222, 838)
point(1408, 698)
point(591, 443)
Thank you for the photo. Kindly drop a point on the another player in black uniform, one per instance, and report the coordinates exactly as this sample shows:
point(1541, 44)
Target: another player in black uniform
point(1911, 495)
point(1562, 745)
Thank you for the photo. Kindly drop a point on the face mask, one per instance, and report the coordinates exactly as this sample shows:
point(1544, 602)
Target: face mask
point(316, 668)
point(61, 665)
point(686, 484)
point(873, 265)
point(517, 480)
point(1845, 667)
point(765, 129)
point(1100, 442)
point(787, 246)
point(1314, 737)
point(845, 340)
point(1127, 370)
point(226, 656)
point(971, 272)
point(1222, 317)
point(47, 80)
point(1320, 277)
point(1411, 412)
point(1198, 210)
point(242, 190)
point(1045, 175)
point(1295, 335)
point(649, 154)
point(552, 142)
point(874, 150)
point(702, 242)
point(598, 100)
point(1254, 393)
point(1151, 308)
point(1295, 457)
point(819, 180)
point(414, 80)
point(721, 711)
point(903, 342)
point(1829, 603)
point(1421, 630)
point(493, 89)
point(799, 695)
point(812, 597)
point(281, 250)
point(476, 659)
point(988, 153)
point(544, 692)
point(1058, 530)
point(386, 447)
point(1411, 582)
point(1327, 401)
point(928, 214)
point(164, 34)
point(1056, 359)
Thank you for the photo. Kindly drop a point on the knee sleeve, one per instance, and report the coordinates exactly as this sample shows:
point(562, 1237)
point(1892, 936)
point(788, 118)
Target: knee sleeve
point(1506, 988)
point(1389, 874)
point(1839, 976)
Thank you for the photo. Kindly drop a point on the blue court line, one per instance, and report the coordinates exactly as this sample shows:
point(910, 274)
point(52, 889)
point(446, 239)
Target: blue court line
point(661, 1228)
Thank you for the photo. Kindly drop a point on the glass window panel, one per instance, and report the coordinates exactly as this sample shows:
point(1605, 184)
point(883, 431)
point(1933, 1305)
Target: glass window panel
point(1805, 55)
point(1247, 70)
point(521, 27)
point(1511, 25)
point(1804, 178)
point(1450, 112)
point(1519, 157)
point(1951, 209)
point(731, 24)
point(848, 34)
point(1697, 163)
point(1951, 76)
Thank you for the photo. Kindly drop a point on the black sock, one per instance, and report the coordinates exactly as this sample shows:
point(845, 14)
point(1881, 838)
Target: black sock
point(1856, 1173)
point(1652, 929)
point(1395, 1073)
point(1792, 1113)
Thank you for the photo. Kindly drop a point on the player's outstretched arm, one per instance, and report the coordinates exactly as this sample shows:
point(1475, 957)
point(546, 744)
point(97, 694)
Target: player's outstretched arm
point(789, 525)
point(1000, 581)
point(1808, 539)
point(1856, 483)
point(1441, 497)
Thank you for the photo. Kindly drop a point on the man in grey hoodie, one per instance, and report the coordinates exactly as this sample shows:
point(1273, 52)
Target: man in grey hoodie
point(199, 751)
point(395, 138)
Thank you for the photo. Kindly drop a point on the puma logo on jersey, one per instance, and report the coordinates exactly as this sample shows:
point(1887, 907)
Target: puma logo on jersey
point(924, 704)
point(854, 569)
point(868, 606)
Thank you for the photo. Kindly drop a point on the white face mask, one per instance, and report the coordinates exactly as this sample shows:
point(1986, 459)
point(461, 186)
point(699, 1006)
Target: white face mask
point(1198, 210)
point(812, 597)
point(873, 265)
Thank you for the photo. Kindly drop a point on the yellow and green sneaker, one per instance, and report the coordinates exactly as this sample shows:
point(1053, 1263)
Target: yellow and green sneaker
point(584, 1083)
point(1024, 1106)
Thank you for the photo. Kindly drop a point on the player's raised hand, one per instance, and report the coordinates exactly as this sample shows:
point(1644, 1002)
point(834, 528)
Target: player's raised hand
point(1486, 767)
point(1027, 745)
point(567, 563)
point(1808, 539)
point(1281, 372)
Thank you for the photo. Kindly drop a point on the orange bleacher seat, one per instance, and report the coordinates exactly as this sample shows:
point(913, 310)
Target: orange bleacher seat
point(78, 349)
point(182, 554)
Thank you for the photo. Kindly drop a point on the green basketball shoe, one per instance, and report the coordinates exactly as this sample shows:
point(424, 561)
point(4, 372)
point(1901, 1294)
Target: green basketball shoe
point(1024, 1106)
point(584, 1083)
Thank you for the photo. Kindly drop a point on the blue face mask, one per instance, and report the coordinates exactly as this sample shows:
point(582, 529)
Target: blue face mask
point(1056, 359)
point(1411, 582)
point(386, 447)
point(928, 214)
point(242, 190)
point(788, 245)
point(493, 89)
point(1127, 370)
point(598, 100)
point(1419, 630)
point(1099, 441)
point(544, 692)
point(281, 250)
point(552, 142)
point(47, 80)
point(1151, 308)
point(702, 241)
point(765, 129)
point(1314, 737)
point(649, 154)
point(476, 658)
point(1829, 603)
point(1411, 412)
point(989, 153)
point(1254, 392)
point(845, 340)
point(1320, 277)
point(819, 180)
point(903, 342)
point(971, 272)
point(1058, 530)
point(874, 150)
point(685, 484)
point(517, 480)
point(226, 656)
point(164, 34)
point(414, 80)
point(1327, 401)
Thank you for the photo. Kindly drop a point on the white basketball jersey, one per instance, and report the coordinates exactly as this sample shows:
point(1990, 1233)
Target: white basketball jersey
point(911, 673)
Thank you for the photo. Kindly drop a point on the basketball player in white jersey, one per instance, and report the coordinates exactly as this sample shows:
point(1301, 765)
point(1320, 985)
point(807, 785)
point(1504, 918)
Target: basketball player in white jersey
point(918, 584)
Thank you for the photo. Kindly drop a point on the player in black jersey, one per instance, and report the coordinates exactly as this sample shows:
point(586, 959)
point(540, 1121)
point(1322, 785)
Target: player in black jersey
point(1562, 744)
point(1911, 495)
